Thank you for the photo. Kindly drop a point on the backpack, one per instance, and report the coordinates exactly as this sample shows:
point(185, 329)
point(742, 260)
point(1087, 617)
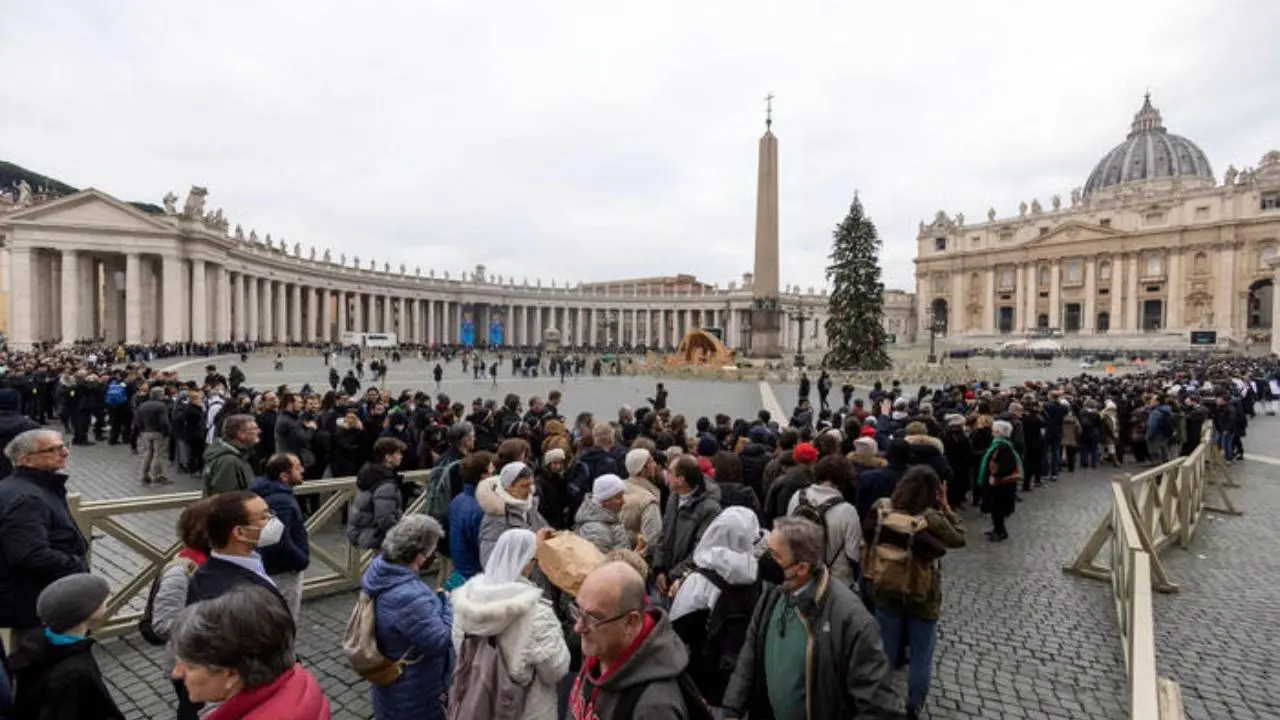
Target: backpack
point(577, 486)
point(893, 570)
point(482, 684)
point(360, 643)
point(818, 514)
point(145, 627)
point(440, 492)
point(726, 628)
point(694, 703)
point(116, 395)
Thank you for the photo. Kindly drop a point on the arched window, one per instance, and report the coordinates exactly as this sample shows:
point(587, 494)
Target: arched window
point(1155, 264)
point(1265, 253)
point(1104, 270)
point(1006, 277)
point(1200, 265)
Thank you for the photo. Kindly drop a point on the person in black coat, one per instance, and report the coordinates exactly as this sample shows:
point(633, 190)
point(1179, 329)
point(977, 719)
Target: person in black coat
point(959, 453)
point(39, 540)
point(880, 482)
point(238, 524)
point(55, 672)
point(755, 458)
point(1033, 440)
point(12, 424)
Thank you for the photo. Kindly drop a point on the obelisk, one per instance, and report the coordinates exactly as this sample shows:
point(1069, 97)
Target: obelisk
point(764, 312)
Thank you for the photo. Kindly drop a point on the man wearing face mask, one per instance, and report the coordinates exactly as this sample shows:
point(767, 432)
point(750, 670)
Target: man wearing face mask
point(237, 525)
point(286, 560)
point(812, 651)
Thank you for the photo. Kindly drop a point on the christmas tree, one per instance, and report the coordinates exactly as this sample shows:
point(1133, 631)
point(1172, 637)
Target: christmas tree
point(854, 328)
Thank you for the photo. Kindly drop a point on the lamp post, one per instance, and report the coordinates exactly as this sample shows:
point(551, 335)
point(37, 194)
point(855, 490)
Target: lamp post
point(934, 328)
point(801, 316)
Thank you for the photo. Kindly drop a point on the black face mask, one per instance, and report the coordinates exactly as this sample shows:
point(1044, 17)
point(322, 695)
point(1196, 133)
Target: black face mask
point(770, 571)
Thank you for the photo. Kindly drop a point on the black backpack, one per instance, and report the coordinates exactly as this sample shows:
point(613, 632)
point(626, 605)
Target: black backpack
point(693, 700)
point(818, 514)
point(726, 625)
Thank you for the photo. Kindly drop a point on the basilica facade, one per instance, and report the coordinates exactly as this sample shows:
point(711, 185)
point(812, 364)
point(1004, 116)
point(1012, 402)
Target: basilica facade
point(1149, 249)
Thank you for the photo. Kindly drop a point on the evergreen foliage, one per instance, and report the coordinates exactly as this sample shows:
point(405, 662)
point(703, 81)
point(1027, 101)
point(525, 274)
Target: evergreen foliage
point(855, 331)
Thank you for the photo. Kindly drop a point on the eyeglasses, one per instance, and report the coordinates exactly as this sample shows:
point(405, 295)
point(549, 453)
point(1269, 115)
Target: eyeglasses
point(589, 622)
point(50, 450)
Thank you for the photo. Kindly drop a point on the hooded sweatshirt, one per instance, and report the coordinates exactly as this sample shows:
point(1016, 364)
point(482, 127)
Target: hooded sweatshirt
point(655, 659)
point(528, 635)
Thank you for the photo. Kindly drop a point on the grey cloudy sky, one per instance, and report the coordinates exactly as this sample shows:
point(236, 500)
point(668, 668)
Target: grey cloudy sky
point(599, 140)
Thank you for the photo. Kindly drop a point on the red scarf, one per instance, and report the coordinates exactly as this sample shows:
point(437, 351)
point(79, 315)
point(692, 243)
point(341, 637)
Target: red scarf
point(196, 556)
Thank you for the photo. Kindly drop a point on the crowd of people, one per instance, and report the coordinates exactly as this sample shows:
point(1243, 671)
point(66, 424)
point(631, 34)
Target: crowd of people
point(563, 565)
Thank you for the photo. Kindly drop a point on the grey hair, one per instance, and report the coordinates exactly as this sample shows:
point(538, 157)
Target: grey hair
point(414, 535)
point(460, 431)
point(804, 538)
point(248, 631)
point(1002, 428)
point(157, 393)
point(27, 443)
point(926, 408)
point(1015, 407)
point(236, 424)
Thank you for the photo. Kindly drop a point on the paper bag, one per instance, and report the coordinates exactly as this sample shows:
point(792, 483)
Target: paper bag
point(566, 559)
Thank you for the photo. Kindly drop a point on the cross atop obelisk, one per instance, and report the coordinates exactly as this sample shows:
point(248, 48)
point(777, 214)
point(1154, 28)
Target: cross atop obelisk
point(764, 314)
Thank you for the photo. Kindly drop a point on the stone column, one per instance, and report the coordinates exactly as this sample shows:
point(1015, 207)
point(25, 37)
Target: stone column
point(340, 306)
point(294, 302)
point(171, 276)
point(388, 318)
point(132, 298)
point(237, 301)
point(1019, 301)
point(1033, 292)
point(253, 318)
point(1088, 323)
point(281, 325)
point(22, 301)
point(1055, 296)
point(1224, 296)
point(537, 325)
point(309, 327)
point(957, 315)
point(431, 321)
point(70, 297)
point(989, 302)
point(1174, 293)
point(1116, 316)
point(592, 321)
point(1131, 294)
point(199, 302)
point(222, 296)
point(1274, 263)
point(457, 321)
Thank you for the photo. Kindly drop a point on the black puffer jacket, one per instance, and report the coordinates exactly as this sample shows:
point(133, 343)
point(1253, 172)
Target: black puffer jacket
point(755, 458)
point(39, 542)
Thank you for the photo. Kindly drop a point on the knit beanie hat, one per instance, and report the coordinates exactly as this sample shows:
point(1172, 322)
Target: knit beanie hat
point(553, 455)
point(512, 471)
point(636, 460)
point(607, 486)
point(917, 428)
point(865, 446)
point(707, 445)
point(69, 601)
point(805, 453)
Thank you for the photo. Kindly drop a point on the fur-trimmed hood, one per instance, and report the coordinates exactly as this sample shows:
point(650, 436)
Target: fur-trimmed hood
point(926, 440)
point(495, 500)
point(868, 462)
point(488, 610)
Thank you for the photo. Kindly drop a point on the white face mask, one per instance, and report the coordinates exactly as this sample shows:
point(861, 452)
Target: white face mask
point(271, 533)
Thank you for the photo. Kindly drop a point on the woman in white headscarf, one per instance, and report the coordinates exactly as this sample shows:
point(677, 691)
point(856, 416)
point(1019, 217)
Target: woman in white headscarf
point(502, 603)
point(713, 604)
point(508, 501)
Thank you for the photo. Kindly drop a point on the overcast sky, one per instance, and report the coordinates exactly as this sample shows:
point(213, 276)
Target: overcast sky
point(587, 141)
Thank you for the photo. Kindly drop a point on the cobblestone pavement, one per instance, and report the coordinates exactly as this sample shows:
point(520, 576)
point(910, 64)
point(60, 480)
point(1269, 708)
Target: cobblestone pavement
point(1018, 638)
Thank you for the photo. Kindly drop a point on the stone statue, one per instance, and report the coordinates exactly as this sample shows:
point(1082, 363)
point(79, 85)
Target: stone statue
point(170, 203)
point(1075, 197)
point(355, 261)
point(253, 236)
point(402, 269)
point(525, 281)
point(991, 214)
point(328, 257)
point(311, 254)
point(297, 251)
point(284, 248)
point(479, 274)
point(538, 282)
point(1230, 177)
point(194, 207)
point(960, 219)
point(386, 267)
point(1022, 209)
point(431, 274)
point(270, 245)
point(1057, 203)
point(239, 233)
point(921, 227)
point(342, 259)
point(417, 270)
point(553, 282)
point(24, 193)
point(1036, 208)
point(446, 274)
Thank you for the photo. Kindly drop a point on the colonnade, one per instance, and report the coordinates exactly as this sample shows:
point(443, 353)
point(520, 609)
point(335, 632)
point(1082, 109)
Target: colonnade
point(139, 297)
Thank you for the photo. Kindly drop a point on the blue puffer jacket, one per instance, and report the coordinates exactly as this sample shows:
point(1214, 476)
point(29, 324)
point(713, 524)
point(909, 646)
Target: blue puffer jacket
point(411, 616)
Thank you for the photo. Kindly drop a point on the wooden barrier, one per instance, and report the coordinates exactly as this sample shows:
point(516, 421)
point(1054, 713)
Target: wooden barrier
point(1167, 503)
point(343, 570)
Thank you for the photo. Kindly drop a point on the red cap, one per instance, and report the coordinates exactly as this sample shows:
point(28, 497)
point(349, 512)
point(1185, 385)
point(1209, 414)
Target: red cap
point(805, 453)
point(867, 431)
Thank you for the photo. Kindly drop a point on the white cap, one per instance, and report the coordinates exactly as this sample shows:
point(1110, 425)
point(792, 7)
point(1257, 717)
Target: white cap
point(607, 486)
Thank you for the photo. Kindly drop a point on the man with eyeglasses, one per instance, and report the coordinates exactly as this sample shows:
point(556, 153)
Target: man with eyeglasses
point(39, 539)
point(633, 659)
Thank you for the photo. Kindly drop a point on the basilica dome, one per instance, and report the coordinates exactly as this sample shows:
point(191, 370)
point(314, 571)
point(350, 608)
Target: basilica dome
point(1151, 154)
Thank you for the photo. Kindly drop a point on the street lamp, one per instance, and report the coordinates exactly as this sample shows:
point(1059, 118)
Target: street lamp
point(801, 317)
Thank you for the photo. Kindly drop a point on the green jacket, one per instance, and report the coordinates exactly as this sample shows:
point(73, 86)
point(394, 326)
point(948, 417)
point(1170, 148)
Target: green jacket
point(226, 467)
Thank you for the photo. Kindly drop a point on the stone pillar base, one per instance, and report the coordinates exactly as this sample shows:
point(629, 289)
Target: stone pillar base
point(765, 326)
